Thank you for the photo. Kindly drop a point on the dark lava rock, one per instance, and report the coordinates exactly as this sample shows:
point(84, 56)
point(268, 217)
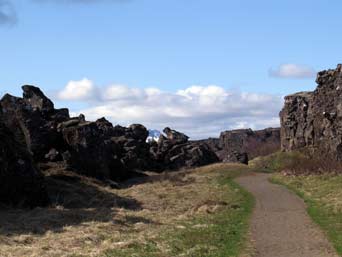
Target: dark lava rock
point(175, 136)
point(313, 120)
point(34, 120)
point(35, 98)
point(253, 143)
point(176, 152)
point(98, 149)
point(53, 155)
point(297, 121)
point(94, 149)
point(135, 150)
point(21, 183)
point(244, 144)
point(92, 153)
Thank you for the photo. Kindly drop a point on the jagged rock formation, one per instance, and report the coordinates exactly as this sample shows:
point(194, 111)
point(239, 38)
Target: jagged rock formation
point(94, 149)
point(244, 144)
point(175, 151)
point(21, 183)
point(175, 136)
point(34, 120)
point(313, 120)
point(297, 121)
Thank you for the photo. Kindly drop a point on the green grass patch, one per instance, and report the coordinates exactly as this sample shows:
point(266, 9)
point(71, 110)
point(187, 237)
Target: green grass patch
point(275, 162)
point(323, 196)
point(223, 234)
point(135, 250)
point(220, 232)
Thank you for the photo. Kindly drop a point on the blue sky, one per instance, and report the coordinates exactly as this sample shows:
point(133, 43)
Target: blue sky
point(170, 45)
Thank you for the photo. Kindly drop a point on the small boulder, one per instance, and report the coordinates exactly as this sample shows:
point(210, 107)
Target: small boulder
point(175, 136)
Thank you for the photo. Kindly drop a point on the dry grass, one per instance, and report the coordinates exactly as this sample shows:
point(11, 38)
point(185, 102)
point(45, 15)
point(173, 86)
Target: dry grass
point(323, 188)
point(297, 163)
point(89, 218)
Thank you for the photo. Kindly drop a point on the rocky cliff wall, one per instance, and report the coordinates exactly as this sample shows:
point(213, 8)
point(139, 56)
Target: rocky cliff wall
point(245, 144)
point(313, 120)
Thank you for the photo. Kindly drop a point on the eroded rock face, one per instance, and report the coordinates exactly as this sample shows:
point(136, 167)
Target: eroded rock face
point(243, 145)
point(21, 183)
point(297, 121)
point(92, 153)
point(176, 152)
point(34, 121)
point(313, 120)
point(98, 149)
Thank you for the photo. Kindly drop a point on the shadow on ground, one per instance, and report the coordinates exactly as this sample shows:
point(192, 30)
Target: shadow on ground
point(75, 200)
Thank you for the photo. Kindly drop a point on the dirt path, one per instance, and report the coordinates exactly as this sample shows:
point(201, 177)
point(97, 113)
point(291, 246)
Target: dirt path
point(280, 226)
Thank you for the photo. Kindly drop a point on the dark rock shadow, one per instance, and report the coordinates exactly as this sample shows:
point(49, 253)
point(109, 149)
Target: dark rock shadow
point(74, 201)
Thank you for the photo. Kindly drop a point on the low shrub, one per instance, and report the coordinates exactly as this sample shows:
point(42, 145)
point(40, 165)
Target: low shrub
point(297, 163)
point(276, 162)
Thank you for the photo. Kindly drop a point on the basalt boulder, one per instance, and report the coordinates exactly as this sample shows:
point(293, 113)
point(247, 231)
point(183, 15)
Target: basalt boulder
point(175, 136)
point(91, 153)
point(34, 121)
point(98, 149)
point(21, 183)
point(175, 152)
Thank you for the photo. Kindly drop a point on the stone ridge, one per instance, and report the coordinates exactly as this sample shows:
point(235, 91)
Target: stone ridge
point(313, 120)
point(242, 145)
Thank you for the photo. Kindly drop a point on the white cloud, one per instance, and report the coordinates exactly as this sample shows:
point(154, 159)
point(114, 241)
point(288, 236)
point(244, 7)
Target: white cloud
point(121, 93)
point(199, 111)
point(78, 90)
point(293, 71)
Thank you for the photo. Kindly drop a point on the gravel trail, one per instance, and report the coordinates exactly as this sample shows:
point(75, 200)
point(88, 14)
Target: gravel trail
point(280, 225)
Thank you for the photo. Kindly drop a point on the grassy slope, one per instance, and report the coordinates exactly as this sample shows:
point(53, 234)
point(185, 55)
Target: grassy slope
point(220, 232)
point(275, 162)
point(198, 213)
point(323, 196)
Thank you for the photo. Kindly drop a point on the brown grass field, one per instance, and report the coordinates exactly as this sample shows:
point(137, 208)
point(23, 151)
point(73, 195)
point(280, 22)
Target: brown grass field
point(88, 218)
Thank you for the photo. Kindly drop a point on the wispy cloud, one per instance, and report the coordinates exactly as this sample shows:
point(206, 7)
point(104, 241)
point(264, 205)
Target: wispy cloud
point(8, 14)
point(199, 111)
point(291, 70)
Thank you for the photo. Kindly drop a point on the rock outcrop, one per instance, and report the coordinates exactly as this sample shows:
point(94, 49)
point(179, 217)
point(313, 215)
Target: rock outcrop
point(34, 121)
point(21, 183)
point(94, 149)
point(313, 120)
point(243, 145)
point(175, 151)
point(297, 121)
